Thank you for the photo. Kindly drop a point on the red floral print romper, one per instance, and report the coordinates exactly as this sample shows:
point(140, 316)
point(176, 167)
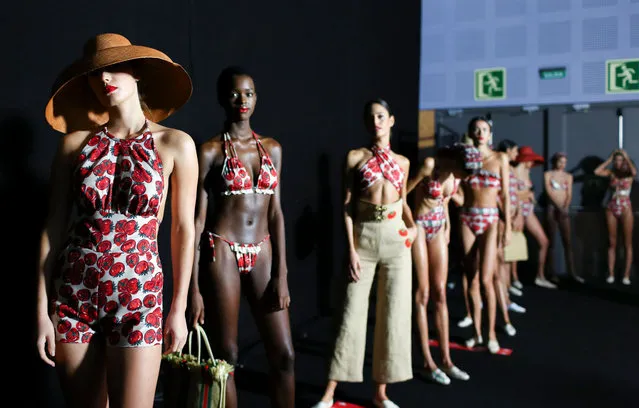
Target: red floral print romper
point(109, 279)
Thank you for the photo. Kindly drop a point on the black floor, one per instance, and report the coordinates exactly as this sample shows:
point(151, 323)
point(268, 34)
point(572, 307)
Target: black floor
point(575, 347)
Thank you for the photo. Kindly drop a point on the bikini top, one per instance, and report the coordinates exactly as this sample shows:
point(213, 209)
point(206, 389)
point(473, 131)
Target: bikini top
point(238, 180)
point(484, 179)
point(621, 186)
point(555, 185)
point(433, 188)
point(381, 166)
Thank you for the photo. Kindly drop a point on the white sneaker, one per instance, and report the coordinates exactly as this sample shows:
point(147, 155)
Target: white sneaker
point(465, 322)
point(626, 281)
point(385, 404)
point(323, 404)
point(518, 285)
point(510, 330)
point(610, 279)
point(437, 376)
point(493, 346)
point(514, 307)
point(544, 283)
point(515, 292)
point(472, 342)
point(457, 374)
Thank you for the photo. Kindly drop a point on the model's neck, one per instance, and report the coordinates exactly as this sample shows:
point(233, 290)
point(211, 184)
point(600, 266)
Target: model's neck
point(126, 119)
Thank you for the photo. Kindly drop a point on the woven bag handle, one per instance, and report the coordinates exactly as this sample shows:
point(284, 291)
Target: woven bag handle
point(201, 335)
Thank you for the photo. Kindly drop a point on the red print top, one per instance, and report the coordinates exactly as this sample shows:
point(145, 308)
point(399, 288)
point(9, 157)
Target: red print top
point(238, 180)
point(381, 166)
point(120, 184)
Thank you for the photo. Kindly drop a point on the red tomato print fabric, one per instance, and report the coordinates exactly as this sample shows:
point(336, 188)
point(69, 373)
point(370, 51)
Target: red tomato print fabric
point(108, 278)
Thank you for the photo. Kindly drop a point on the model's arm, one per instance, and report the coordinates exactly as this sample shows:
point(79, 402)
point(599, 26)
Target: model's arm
point(53, 238)
point(550, 193)
point(602, 170)
point(407, 214)
point(424, 171)
point(631, 166)
point(458, 197)
point(568, 193)
point(206, 156)
point(184, 180)
point(505, 197)
point(276, 229)
point(351, 162)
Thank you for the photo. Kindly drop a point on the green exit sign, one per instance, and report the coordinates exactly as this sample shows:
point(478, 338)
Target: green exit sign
point(552, 73)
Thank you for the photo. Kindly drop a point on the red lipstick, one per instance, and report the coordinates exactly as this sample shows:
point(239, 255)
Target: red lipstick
point(108, 89)
point(243, 109)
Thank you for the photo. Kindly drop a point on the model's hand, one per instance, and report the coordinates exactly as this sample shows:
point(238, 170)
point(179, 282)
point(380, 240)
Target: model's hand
point(412, 233)
point(46, 340)
point(354, 268)
point(196, 308)
point(282, 298)
point(175, 332)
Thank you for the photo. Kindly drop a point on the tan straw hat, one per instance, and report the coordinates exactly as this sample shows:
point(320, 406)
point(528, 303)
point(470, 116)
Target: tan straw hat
point(164, 85)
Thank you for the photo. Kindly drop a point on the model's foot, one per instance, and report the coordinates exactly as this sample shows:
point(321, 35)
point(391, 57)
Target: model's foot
point(474, 341)
point(544, 283)
point(515, 292)
point(510, 329)
point(493, 346)
point(579, 279)
point(386, 403)
point(610, 279)
point(465, 322)
point(626, 281)
point(514, 307)
point(456, 374)
point(437, 376)
point(323, 404)
point(518, 285)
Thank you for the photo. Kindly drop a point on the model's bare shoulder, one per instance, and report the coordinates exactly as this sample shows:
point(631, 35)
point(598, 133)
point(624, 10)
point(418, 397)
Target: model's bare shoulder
point(356, 156)
point(71, 143)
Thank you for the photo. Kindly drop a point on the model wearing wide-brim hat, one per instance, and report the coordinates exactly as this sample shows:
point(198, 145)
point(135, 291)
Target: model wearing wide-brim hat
point(164, 84)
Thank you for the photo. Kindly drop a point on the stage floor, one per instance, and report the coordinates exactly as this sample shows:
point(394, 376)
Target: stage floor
point(575, 347)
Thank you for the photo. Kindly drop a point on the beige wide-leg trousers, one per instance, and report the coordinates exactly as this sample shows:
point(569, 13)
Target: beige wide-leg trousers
point(383, 247)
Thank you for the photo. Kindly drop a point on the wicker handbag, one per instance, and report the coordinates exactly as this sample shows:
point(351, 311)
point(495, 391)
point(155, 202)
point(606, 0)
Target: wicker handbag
point(191, 381)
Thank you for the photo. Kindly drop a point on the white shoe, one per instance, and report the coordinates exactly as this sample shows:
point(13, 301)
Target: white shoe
point(610, 279)
point(465, 322)
point(544, 283)
point(472, 342)
point(579, 279)
point(323, 404)
point(436, 376)
point(514, 307)
point(514, 291)
point(510, 330)
point(457, 374)
point(518, 285)
point(385, 404)
point(626, 281)
point(493, 346)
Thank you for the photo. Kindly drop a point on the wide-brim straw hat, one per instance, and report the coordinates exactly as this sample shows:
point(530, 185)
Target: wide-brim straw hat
point(164, 84)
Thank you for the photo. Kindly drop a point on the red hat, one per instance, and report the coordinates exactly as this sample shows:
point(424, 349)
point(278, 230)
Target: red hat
point(527, 154)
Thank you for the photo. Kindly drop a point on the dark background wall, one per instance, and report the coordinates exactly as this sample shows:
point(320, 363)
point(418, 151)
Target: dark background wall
point(314, 63)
